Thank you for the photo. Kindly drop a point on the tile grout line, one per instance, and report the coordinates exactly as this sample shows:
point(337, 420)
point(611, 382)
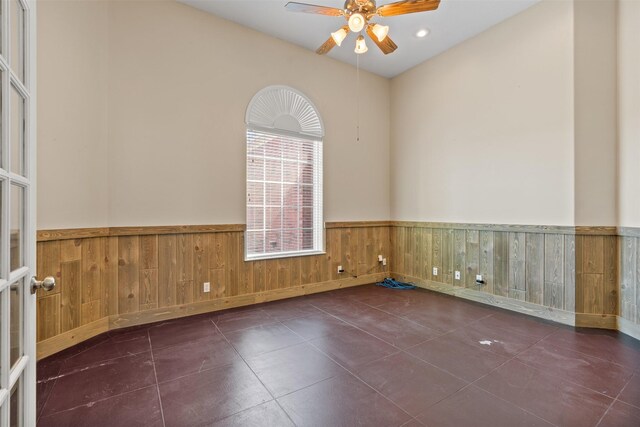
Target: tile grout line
point(399, 350)
point(192, 372)
point(557, 329)
point(88, 348)
point(473, 383)
point(568, 380)
point(304, 341)
point(416, 420)
point(415, 345)
point(350, 373)
point(155, 375)
point(271, 319)
point(514, 357)
point(616, 399)
point(254, 374)
point(57, 376)
point(422, 360)
point(362, 330)
point(44, 405)
point(574, 329)
point(98, 401)
point(625, 387)
point(494, 311)
point(382, 311)
point(437, 332)
point(468, 383)
point(583, 353)
point(98, 363)
point(455, 376)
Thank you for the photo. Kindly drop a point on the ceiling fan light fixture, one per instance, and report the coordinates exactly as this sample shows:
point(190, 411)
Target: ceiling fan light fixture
point(358, 13)
point(380, 31)
point(361, 45)
point(339, 36)
point(356, 22)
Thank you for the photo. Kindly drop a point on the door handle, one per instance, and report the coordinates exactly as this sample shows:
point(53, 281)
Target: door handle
point(47, 284)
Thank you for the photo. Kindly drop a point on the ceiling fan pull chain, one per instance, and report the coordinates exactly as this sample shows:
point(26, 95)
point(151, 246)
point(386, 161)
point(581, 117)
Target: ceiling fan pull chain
point(357, 98)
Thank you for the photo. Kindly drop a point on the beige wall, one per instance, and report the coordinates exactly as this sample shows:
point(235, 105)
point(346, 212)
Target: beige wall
point(596, 123)
point(141, 110)
point(179, 81)
point(629, 112)
point(484, 132)
point(72, 114)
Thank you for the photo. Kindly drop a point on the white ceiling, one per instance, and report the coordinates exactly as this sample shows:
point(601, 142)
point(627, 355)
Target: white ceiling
point(453, 22)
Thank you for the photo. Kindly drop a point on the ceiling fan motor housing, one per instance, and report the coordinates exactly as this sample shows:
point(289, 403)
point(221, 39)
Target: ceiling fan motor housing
point(358, 14)
point(365, 7)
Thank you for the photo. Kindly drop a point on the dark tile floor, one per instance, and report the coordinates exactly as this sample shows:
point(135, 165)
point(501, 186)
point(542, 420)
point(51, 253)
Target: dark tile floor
point(364, 356)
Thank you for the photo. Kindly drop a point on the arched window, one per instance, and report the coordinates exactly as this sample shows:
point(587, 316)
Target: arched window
point(284, 175)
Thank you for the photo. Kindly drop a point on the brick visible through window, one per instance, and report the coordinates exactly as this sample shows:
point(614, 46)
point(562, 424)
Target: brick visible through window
point(284, 195)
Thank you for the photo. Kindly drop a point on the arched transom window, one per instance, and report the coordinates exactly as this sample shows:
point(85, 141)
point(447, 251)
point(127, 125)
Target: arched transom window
point(284, 175)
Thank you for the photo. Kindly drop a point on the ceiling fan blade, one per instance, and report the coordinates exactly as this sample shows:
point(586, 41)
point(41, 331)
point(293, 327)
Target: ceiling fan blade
point(386, 46)
point(312, 8)
point(407, 6)
point(326, 46)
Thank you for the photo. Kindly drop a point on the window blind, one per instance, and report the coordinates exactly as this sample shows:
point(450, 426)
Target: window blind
point(284, 195)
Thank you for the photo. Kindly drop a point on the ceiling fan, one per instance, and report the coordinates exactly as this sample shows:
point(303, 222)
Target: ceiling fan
point(358, 14)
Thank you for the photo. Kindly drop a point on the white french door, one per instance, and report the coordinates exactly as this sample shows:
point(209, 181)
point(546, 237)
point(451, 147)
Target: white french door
point(17, 213)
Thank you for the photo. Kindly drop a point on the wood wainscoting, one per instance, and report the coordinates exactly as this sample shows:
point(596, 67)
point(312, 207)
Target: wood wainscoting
point(111, 278)
point(566, 274)
point(629, 320)
point(117, 277)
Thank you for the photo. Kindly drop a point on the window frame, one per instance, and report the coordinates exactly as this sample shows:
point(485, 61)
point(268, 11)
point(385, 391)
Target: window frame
point(315, 136)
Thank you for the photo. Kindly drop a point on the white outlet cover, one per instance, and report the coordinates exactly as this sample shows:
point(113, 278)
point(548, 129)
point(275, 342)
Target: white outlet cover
point(207, 286)
point(479, 277)
point(384, 261)
point(435, 271)
point(457, 275)
point(380, 258)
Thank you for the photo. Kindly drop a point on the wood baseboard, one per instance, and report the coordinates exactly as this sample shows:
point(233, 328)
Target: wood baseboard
point(70, 338)
point(628, 327)
point(598, 321)
point(67, 339)
point(555, 315)
point(156, 315)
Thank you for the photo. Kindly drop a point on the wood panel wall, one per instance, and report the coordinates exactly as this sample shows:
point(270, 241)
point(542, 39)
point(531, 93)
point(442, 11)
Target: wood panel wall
point(630, 276)
point(114, 281)
point(110, 278)
point(559, 269)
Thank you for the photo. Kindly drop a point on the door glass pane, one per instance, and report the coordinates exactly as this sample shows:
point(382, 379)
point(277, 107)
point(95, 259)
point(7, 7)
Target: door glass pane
point(17, 132)
point(15, 322)
point(2, 193)
point(16, 14)
point(2, 156)
point(15, 405)
point(16, 253)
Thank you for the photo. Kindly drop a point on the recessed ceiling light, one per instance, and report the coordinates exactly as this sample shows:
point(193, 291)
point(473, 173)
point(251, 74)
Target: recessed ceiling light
point(422, 33)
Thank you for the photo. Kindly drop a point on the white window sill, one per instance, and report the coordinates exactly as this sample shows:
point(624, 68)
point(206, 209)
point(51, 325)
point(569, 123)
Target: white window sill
point(283, 255)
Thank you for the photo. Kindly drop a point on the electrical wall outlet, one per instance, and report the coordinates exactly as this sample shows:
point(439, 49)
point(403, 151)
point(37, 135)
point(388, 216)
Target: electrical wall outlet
point(384, 261)
point(478, 277)
point(457, 275)
point(435, 271)
point(380, 258)
point(340, 269)
point(207, 286)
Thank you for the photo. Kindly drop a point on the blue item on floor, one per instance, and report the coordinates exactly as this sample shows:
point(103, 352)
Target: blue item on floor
point(394, 284)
